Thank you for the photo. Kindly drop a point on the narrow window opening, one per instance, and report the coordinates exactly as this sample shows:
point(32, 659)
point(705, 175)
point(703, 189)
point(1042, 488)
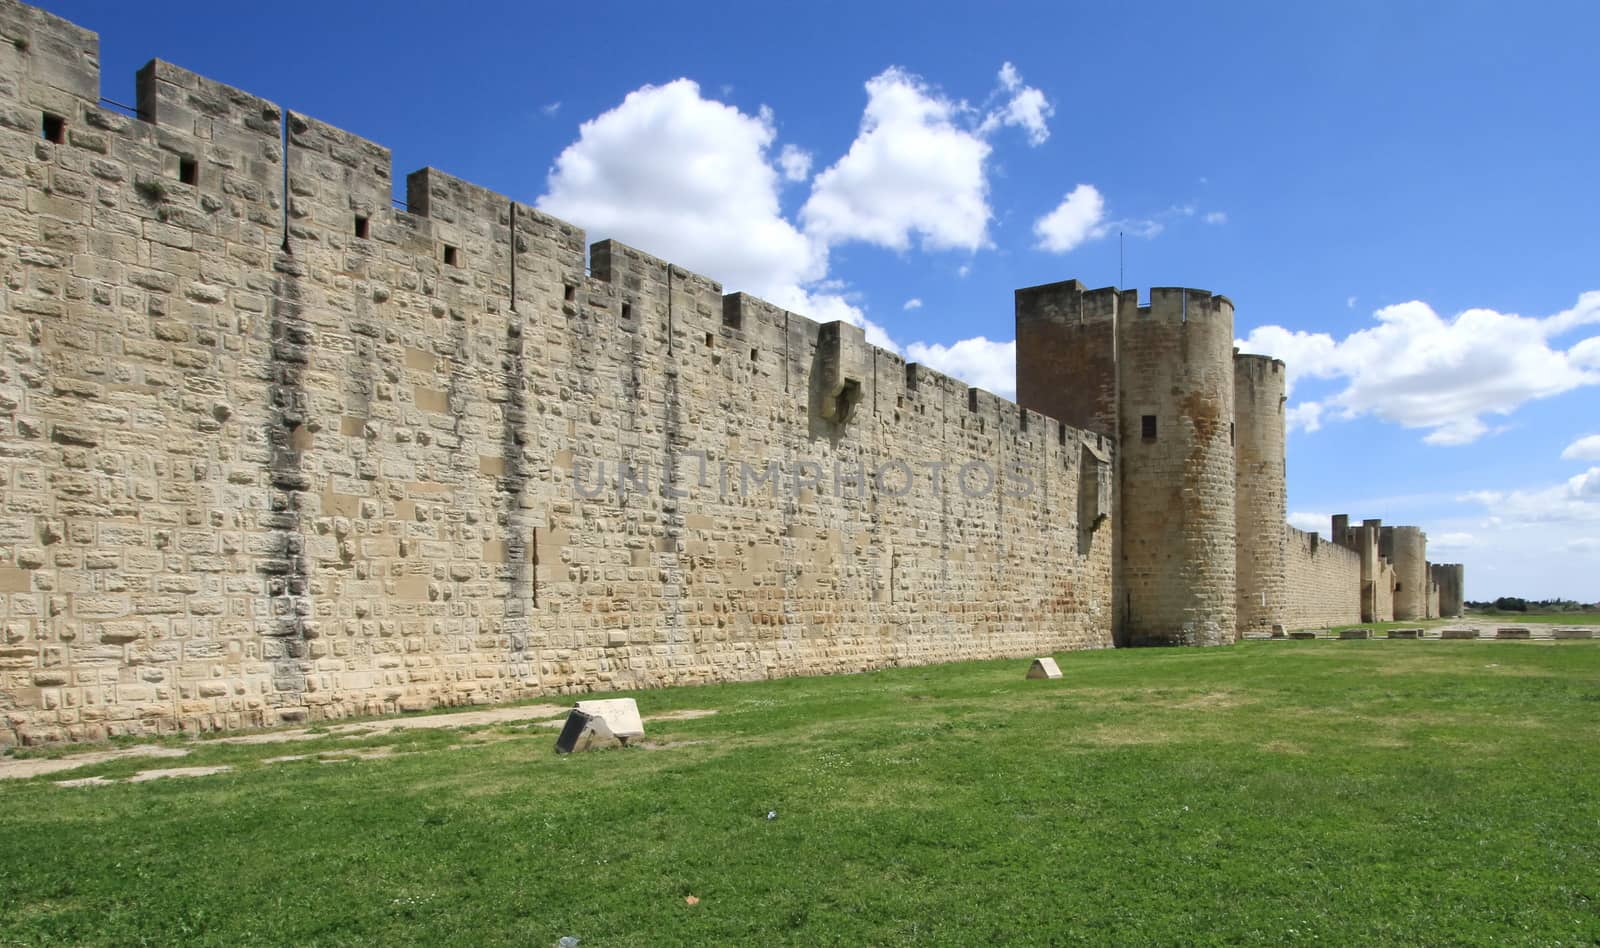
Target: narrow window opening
point(53, 128)
point(1023, 415)
point(533, 580)
point(972, 399)
point(1061, 432)
point(752, 355)
point(711, 341)
point(1230, 432)
point(188, 171)
point(363, 226)
point(452, 256)
point(1147, 427)
point(627, 310)
point(570, 293)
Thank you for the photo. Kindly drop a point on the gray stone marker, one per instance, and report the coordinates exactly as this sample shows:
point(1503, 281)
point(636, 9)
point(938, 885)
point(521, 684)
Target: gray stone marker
point(1458, 633)
point(1573, 632)
point(1044, 668)
point(620, 714)
point(1512, 632)
point(1355, 634)
point(1302, 636)
point(1405, 634)
point(594, 725)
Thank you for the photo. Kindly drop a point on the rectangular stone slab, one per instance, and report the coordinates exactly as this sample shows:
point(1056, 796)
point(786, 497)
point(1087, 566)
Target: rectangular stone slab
point(1458, 634)
point(620, 714)
point(1356, 634)
point(1405, 633)
point(1573, 633)
point(1044, 668)
point(1512, 632)
point(1302, 636)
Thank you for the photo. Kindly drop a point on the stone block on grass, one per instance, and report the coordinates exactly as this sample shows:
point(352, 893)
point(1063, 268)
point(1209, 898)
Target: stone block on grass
point(1044, 668)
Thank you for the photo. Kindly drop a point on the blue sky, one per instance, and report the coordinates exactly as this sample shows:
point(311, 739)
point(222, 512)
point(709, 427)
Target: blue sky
point(1400, 198)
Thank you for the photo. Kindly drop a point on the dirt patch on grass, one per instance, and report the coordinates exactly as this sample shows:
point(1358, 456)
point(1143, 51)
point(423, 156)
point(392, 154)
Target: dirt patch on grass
point(145, 776)
point(527, 712)
point(13, 769)
point(148, 775)
point(686, 714)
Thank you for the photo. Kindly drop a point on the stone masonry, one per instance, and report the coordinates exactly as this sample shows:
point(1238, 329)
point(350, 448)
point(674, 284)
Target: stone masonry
point(274, 449)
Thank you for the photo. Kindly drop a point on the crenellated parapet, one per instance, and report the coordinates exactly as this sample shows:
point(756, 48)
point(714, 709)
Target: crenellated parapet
point(277, 447)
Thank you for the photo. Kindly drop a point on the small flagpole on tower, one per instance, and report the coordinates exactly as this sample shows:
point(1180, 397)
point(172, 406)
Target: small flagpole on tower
point(1121, 277)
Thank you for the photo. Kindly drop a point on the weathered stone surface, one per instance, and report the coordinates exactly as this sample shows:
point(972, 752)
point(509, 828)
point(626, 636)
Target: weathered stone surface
point(1044, 668)
point(621, 716)
point(1458, 633)
point(1303, 635)
point(1405, 633)
point(1512, 632)
point(1345, 634)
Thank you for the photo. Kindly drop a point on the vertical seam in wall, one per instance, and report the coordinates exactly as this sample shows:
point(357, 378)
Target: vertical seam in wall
point(283, 134)
point(512, 205)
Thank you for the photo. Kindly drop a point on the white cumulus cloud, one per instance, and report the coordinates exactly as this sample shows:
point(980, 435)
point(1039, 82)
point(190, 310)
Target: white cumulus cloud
point(912, 172)
point(1217, 217)
point(1079, 217)
point(1586, 448)
point(1445, 376)
point(687, 178)
point(1575, 501)
point(795, 162)
point(1026, 108)
point(1311, 522)
point(978, 361)
point(911, 304)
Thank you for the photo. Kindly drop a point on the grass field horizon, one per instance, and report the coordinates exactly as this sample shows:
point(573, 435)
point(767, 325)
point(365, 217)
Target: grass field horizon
point(1363, 791)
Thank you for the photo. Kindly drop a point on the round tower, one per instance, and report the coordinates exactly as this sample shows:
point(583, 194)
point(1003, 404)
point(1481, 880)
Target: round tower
point(1261, 494)
point(1176, 530)
point(1407, 550)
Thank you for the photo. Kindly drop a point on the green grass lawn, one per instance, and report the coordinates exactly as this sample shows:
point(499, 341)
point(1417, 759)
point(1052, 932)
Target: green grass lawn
point(1336, 792)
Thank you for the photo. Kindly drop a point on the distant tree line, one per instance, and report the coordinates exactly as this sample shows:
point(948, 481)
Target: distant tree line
point(1518, 604)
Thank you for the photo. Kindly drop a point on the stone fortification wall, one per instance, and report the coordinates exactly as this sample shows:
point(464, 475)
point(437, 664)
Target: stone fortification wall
point(1323, 582)
point(272, 449)
point(1383, 589)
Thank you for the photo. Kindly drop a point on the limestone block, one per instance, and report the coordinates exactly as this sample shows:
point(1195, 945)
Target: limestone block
point(1405, 633)
point(1044, 668)
point(1348, 634)
point(584, 732)
point(1458, 633)
point(1573, 632)
point(621, 716)
point(1302, 636)
point(1512, 632)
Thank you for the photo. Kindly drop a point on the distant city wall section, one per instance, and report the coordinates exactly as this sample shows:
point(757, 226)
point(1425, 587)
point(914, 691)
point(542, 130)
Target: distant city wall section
point(1324, 581)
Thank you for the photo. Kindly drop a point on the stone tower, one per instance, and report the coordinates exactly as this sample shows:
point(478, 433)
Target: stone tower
point(1407, 549)
point(1450, 579)
point(1261, 504)
point(1160, 379)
